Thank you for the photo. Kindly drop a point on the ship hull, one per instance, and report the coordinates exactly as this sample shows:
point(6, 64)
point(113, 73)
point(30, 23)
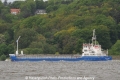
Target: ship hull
point(84, 58)
point(96, 58)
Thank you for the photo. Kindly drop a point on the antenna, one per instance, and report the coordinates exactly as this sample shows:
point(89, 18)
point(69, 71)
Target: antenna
point(94, 37)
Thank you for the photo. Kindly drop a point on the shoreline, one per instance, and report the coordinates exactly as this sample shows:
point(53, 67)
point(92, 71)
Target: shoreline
point(115, 57)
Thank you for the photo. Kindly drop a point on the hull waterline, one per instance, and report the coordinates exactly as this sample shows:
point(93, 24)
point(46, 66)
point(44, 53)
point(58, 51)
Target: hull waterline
point(85, 58)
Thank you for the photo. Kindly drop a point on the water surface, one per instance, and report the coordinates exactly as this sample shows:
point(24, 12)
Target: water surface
point(100, 70)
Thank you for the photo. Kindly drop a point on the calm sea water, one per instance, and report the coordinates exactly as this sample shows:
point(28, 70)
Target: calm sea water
point(101, 70)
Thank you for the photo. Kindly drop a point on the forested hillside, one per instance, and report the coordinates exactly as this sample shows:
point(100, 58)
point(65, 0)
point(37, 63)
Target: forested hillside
point(66, 26)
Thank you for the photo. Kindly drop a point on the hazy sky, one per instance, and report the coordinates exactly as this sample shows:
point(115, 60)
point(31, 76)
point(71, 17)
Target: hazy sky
point(13, 0)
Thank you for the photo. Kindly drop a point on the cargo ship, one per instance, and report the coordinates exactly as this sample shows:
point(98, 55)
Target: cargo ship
point(90, 52)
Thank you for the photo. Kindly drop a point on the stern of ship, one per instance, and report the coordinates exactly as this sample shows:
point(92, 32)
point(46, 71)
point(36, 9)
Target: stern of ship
point(12, 57)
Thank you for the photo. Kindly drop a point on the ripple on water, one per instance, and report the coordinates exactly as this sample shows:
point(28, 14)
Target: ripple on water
point(101, 70)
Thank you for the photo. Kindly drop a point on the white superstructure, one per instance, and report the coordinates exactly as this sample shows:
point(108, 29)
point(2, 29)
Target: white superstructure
point(93, 49)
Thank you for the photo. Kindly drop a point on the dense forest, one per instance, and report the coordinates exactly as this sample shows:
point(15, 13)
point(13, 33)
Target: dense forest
point(66, 26)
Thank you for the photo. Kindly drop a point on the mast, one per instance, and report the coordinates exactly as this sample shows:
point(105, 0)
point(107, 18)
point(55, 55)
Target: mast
point(94, 38)
point(17, 45)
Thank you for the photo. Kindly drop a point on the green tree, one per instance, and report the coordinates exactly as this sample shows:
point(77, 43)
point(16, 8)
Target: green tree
point(103, 36)
point(1, 6)
point(16, 4)
point(3, 49)
point(5, 15)
point(78, 46)
point(40, 4)
point(110, 23)
point(28, 8)
point(9, 36)
point(10, 49)
point(3, 57)
point(115, 50)
point(27, 36)
point(2, 38)
point(62, 37)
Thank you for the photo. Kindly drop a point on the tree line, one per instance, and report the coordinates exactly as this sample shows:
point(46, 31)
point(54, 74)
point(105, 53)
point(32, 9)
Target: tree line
point(66, 26)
